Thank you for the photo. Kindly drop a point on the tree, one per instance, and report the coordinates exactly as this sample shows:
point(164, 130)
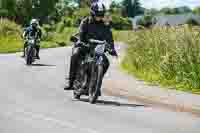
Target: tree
point(116, 8)
point(177, 10)
point(9, 7)
point(166, 10)
point(184, 9)
point(152, 11)
point(115, 4)
point(43, 8)
point(84, 3)
point(24, 11)
point(146, 21)
point(197, 10)
point(193, 22)
point(132, 8)
point(28, 9)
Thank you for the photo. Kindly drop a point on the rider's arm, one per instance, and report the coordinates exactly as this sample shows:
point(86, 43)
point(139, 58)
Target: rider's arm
point(25, 33)
point(39, 33)
point(83, 31)
point(110, 40)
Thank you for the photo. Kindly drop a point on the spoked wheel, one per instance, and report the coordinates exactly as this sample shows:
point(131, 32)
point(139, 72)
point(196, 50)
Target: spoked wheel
point(94, 90)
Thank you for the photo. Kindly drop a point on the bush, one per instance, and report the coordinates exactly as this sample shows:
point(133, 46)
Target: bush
point(146, 21)
point(49, 28)
point(60, 27)
point(69, 22)
point(4, 13)
point(8, 27)
point(192, 22)
point(55, 39)
point(79, 15)
point(120, 23)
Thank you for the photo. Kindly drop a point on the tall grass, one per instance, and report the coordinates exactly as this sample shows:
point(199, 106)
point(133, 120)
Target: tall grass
point(166, 56)
point(60, 39)
point(10, 40)
point(121, 35)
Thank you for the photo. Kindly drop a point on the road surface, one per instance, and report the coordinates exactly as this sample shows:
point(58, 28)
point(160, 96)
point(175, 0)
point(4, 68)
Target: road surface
point(32, 100)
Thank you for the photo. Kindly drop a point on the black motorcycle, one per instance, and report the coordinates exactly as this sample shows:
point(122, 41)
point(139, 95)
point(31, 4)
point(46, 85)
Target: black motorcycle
point(30, 51)
point(90, 72)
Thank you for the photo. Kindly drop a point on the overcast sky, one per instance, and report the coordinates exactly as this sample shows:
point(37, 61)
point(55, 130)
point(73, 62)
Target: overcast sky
point(164, 3)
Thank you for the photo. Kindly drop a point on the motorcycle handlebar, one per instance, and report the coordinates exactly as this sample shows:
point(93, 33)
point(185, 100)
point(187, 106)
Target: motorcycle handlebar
point(96, 41)
point(76, 39)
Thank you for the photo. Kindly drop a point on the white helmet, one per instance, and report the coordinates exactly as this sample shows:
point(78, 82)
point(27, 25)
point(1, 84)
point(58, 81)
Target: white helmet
point(34, 22)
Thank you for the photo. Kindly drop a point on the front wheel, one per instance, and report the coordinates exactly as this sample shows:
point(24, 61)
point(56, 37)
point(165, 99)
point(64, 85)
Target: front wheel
point(96, 82)
point(29, 55)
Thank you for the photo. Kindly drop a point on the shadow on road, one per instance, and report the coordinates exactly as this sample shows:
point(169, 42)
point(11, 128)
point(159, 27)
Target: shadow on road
point(113, 103)
point(40, 65)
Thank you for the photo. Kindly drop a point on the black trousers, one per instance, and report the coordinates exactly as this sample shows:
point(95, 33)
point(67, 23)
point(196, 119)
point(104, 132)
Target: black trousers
point(78, 54)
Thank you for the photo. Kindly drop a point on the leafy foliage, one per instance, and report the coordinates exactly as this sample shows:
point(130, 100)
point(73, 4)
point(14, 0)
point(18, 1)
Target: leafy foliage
point(121, 23)
point(178, 10)
point(146, 21)
point(193, 22)
point(132, 8)
point(197, 10)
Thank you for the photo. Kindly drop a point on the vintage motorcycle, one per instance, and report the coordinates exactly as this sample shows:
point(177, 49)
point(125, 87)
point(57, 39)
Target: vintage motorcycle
point(30, 51)
point(90, 73)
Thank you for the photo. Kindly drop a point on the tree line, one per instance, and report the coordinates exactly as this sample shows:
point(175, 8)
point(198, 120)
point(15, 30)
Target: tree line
point(21, 11)
point(132, 8)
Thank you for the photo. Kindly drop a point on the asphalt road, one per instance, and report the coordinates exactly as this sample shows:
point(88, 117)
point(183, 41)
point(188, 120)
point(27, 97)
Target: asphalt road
point(32, 100)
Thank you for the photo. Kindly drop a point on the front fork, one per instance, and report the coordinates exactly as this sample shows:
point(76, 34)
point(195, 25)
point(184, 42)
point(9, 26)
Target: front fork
point(94, 73)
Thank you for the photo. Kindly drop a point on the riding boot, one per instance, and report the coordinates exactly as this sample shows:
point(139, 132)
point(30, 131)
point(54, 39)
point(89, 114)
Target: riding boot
point(24, 51)
point(37, 52)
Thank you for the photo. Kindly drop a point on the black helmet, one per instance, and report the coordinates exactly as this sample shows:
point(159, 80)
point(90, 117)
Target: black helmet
point(98, 9)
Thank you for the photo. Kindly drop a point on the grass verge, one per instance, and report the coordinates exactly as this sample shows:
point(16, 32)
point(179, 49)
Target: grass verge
point(166, 56)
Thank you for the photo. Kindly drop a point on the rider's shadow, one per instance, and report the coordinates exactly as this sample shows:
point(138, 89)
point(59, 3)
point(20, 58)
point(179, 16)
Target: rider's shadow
point(113, 103)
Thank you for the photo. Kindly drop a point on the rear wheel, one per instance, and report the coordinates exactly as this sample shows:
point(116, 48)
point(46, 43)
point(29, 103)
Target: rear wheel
point(95, 88)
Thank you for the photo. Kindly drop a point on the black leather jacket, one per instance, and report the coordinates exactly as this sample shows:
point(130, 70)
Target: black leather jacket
point(91, 29)
point(32, 32)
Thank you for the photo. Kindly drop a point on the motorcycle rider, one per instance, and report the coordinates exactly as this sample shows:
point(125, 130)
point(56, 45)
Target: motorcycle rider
point(92, 27)
point(33, 31)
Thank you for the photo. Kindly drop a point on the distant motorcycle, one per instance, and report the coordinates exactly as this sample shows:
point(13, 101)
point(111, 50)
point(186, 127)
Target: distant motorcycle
point(30, 51)
point(90, 73)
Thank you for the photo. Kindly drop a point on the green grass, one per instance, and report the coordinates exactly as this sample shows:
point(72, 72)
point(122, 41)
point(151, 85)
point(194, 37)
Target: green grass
point(58, 36)
point(11, 41)
point(166, 56)
point(59, 39)
point(121, 36)
point(10, 44)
